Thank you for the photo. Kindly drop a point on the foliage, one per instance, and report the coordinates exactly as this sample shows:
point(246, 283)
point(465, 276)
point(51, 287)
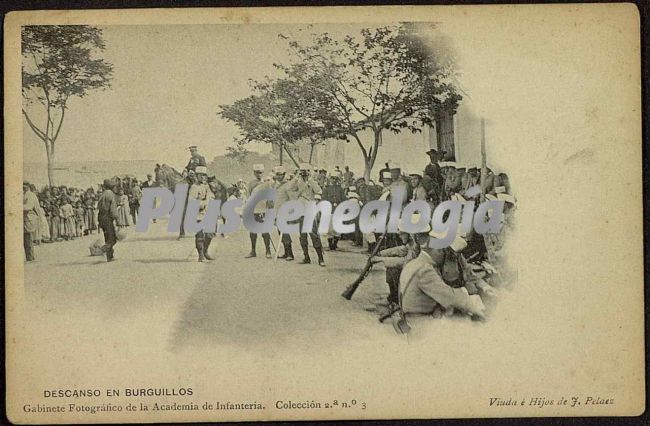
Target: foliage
point(59, 63)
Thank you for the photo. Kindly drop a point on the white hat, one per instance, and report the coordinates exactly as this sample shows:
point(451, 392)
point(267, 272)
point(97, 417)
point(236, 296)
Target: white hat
point(458, 244)
point(305, 166)
point(279, 169)
point(460, 166)
point(201, 169)
point(415, 218)
point(258, 167)
point(335, 173)
point(394, 165)
point(458, 197)
point(500, 189)
point(443, 164)
point(507, 198)
point(438, 235)
point(451, 164)
point(353, 195)
point(415, 173)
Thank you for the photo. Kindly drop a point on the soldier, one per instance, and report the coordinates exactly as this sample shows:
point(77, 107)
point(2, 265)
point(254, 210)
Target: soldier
point(258, 184)
point(201, 192)
point(419, 193)
point(394, 259)
point(432, 169)
point(335, 194)
point(196, 159)
point(306, 189)
point(106, 215)
point(422, 288)
point(280, 184)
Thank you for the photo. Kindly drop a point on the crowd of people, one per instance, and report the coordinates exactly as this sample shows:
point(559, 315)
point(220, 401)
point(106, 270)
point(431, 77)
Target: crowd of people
point(421, 280)
point(63, 213)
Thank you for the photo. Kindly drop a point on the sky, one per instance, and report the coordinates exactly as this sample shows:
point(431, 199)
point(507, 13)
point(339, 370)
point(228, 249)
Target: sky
point(168, 83)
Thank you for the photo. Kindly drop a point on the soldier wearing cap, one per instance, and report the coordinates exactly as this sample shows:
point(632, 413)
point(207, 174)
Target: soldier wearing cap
point(335, 194)
point(106, 217)
point(201, 192)
point(417, 189)
point(433, 168)
point(258, 184)
point(307, 189)
point(196, 159)
point(422, 288)
point(280, 184)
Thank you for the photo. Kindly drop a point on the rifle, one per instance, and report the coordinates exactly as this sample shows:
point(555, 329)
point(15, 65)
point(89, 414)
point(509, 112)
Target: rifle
point(347, 294)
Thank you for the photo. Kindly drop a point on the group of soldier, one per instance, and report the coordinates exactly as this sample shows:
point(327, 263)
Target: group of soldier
point(421, 280)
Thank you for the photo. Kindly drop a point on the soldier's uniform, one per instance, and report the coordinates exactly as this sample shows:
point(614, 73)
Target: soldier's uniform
point(335, 194)
point(200, 191)
point(422, 289)
point(282, 196)
point(196, 160)
point(258, 184)
point(106, 215)
point(306, 189)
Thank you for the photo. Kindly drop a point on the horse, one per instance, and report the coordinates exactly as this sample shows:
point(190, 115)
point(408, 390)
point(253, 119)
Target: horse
point(168, 177)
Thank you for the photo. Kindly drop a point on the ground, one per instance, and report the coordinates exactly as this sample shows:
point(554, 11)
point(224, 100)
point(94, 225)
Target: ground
point(258, 328)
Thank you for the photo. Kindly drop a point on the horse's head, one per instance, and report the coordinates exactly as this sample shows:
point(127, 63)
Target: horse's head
point(167, 176)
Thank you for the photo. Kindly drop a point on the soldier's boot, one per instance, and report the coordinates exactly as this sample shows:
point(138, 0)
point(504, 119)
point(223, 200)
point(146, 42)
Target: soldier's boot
point(288, 251)
point(200, 249)
point(305, 251)
point(321, 260)
point(253, 244)
point(371, 247)
point(330, 243)
point(206, 246)
point(267, 245)
point(335, 242)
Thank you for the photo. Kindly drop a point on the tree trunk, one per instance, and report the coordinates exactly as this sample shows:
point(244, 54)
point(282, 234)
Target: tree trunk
point(369, 160)
point(311, 152)
point(291, 156)
point(50, 164)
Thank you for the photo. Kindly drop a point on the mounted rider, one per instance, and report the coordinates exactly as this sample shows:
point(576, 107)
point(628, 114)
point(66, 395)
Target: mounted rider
point(196, 159)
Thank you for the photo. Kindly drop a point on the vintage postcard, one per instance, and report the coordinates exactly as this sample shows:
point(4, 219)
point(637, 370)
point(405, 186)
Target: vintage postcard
point(323, 213)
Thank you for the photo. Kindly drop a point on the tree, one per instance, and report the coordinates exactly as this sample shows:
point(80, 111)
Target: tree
point(237, 153)
point(282, 113)
point(385, 78)
point(58, 64)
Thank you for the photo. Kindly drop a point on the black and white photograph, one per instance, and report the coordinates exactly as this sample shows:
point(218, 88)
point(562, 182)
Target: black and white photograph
point(323, 213)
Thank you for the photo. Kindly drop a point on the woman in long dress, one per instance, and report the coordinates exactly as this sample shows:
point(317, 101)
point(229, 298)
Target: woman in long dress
point(122, 209)
point(90, 224)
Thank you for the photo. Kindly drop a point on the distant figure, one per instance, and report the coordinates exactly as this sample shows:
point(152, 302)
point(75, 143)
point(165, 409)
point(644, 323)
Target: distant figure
point(107, 214)
point(149, 183)
point(134, 200)
point(122, 209)
point(348, 177)
point(30, 220)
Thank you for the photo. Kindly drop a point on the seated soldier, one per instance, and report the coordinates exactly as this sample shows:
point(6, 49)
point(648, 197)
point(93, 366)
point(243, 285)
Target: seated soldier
point(422, 289)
